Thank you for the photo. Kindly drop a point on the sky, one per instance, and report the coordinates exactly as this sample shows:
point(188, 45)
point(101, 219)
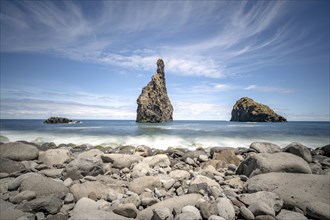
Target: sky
point(90, 59)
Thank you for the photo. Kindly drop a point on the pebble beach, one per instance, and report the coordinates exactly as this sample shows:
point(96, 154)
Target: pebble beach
point(263, 181)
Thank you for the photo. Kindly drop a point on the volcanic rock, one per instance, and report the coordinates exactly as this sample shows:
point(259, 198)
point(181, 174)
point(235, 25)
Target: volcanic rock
point(154, 104)
point(59, 120)
point(247, 110)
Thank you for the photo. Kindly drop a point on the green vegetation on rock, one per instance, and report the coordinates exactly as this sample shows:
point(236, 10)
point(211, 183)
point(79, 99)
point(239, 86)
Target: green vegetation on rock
point(247, 110)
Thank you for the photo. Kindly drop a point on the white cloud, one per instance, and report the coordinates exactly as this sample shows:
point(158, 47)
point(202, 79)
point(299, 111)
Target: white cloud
point(122, 33)
point(269, 89)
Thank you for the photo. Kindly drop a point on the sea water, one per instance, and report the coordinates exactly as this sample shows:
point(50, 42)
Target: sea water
point(190, 134)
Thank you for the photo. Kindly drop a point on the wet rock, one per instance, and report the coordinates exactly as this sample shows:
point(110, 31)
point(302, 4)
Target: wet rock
point(279, 162)
point(19, 151)
point(265, 147)
point(54, 156)
point(299, 150)
point(296, 190)
point(154, 104)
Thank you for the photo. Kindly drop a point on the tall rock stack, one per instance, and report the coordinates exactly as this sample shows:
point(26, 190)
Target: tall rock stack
point(154, 104)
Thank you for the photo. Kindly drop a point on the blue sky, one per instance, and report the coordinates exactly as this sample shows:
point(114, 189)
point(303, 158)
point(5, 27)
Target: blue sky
point(90, 59)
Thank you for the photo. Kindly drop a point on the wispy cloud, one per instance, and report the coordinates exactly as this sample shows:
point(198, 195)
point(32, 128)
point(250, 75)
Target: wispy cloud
point(241, 36)
point(269, 89)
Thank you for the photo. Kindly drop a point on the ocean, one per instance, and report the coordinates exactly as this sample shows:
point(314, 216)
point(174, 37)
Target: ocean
point(189, 134)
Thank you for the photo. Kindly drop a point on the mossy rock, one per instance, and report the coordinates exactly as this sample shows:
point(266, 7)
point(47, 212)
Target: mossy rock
point(247, 110)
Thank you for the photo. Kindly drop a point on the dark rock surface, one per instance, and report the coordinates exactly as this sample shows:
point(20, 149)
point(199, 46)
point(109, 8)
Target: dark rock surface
point(59, 120)
point(247, 110)
point(154, 104)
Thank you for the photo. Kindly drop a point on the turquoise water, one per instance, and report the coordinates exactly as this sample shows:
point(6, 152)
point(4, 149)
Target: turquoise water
point(172, 134)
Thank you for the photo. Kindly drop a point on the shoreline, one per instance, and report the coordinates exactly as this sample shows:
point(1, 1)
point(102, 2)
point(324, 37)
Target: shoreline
point(61, 182)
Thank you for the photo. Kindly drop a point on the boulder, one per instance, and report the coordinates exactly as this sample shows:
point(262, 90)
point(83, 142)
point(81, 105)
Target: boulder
point(8, 211)
point(176, 202)
point(10, 166)
point(246, 213)
point(19, 151)
point(80, 190)
point(141, 169)
point(121, 160)
point(162, 214)
point(24, 195)
point(88, 163)
point(46, 204)
point(13, 185)
point(202, 183)
point(226, 155)
point(299, 150)
point(128, 210)
point(265, 147)
point(279, 162)
point(43, 186)
point(88, 209)
point(290, 215)
point(260, 208)
point(52, 172)
point(247, 110)
point(296, 190)
point(139, 184)
point(161, 160)
point(154, 104)
point(225, 208)
point(193, 210)
point(54, 156)
point(179, 174)
point(269, 198)
point(318, 210)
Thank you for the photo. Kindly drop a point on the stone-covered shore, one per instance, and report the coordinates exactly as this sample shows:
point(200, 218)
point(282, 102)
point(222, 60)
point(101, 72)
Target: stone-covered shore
point(69, 182)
